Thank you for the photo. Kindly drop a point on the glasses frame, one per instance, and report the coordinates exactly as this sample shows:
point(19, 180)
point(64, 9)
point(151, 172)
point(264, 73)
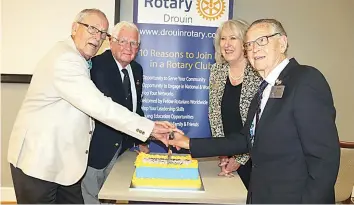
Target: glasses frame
point(250, 45)
point(125, 42)
point(93, 30)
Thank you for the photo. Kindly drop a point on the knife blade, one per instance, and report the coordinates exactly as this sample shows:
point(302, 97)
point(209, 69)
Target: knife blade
point(171, 136)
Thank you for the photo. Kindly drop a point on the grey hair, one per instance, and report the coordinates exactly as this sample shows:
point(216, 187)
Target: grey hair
point(118, 27)
point(238, 27)
point(275, 25)
point(81, 16)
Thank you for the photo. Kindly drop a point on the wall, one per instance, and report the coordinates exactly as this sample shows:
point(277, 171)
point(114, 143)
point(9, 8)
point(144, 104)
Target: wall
point(320, 34)
point(39, 24)
point(12, 96)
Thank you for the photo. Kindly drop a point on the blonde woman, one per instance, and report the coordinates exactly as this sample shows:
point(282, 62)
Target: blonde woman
point(233, 84)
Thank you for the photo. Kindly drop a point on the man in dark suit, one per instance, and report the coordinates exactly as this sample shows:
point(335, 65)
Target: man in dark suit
point(118, 76)
point(290, 131)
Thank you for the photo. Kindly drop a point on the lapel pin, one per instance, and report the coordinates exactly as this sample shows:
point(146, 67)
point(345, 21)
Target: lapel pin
point(277, 90)
point(278, 82)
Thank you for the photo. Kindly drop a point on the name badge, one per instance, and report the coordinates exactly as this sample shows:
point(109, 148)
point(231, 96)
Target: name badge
point(277, 91)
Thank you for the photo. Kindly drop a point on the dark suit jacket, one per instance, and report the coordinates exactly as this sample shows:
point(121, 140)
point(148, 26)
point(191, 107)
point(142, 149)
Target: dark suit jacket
point(296, 150)
point(106, 140)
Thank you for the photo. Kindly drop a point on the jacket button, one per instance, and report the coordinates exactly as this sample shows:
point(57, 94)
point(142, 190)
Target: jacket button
point(254, 165)
point(86, 152)
point(116, 144)
point(90, 132)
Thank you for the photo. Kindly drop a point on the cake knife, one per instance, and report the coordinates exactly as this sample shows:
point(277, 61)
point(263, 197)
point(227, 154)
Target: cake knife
point(171, 136)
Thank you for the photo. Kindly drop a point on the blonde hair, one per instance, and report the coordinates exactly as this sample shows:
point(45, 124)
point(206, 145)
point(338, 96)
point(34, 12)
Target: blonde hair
point(118, 27)
point(239, 27)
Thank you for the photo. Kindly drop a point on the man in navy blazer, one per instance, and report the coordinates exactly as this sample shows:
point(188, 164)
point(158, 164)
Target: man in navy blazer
point(290, 131)
point(109, 75)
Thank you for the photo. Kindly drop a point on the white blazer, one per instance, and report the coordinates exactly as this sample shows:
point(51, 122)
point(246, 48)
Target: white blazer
point(51, 135)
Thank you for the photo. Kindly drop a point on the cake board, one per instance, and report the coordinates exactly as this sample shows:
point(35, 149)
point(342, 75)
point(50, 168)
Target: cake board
point(169, 189)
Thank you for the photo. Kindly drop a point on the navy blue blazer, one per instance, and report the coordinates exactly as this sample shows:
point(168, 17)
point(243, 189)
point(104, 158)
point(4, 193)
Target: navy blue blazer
point(107, 78)
point(295, 156)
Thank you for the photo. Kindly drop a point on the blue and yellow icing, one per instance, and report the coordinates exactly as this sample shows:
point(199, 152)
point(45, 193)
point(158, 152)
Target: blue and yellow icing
point(153, 171)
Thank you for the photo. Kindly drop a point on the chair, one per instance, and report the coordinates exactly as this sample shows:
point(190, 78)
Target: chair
point(345, 180)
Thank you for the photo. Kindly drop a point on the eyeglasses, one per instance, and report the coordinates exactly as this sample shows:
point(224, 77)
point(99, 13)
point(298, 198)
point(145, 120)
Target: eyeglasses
point(261, 41)
point(124, 42)
point(93, 30)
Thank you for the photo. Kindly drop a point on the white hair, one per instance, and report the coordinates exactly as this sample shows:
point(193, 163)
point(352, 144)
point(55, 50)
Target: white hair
point(80, 16)
point(118, 27)
point(275, 25)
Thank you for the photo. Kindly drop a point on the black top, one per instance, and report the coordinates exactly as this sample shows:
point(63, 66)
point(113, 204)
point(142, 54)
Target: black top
point(230, 108)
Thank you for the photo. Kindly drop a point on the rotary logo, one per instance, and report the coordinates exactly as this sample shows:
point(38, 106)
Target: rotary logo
point(211, 9)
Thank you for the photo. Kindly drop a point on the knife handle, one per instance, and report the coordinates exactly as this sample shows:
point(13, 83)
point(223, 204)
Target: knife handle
point(171, 136)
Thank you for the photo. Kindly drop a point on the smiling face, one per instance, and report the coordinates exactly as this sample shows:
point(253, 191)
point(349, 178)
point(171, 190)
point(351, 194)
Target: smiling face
point(122, 46)
point(264, 58)
point(231, 45)
point(89, 44)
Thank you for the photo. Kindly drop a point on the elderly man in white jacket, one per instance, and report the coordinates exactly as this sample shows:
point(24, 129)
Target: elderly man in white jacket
point(49, 144)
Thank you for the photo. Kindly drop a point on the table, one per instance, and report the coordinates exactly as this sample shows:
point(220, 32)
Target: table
point(218, 190)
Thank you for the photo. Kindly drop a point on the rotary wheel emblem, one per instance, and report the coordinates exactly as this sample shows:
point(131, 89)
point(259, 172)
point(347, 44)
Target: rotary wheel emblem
point(211, 9)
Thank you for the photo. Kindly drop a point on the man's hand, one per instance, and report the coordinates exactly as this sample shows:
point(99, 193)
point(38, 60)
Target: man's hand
point(162, 129)
point(179, 141)
point(168, 125)
point(144, 148)
point(165, 124)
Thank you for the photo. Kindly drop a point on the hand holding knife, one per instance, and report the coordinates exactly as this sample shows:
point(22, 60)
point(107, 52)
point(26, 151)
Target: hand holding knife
point(169, 153)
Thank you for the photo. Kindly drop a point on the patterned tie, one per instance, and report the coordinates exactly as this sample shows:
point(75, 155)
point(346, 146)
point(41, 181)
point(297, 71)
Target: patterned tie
point(259, 99)
point(127, 89)
point(258, 96)
point(89, 62)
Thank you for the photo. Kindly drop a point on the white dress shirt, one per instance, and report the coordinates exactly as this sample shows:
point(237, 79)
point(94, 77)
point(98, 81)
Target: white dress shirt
point(271, 78)
point(132, 82)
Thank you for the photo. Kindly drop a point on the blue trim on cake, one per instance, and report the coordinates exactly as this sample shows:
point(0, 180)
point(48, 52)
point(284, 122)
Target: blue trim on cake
point(167, 173)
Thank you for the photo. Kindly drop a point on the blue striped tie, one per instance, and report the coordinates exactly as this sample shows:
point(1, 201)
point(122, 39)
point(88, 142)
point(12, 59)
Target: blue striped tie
point(259, 99)
point(258, 96)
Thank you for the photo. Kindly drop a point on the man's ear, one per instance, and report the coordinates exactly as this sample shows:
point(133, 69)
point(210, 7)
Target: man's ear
point(74, 28)
point(283, 43)
point(111, 43)
point(137, 50)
